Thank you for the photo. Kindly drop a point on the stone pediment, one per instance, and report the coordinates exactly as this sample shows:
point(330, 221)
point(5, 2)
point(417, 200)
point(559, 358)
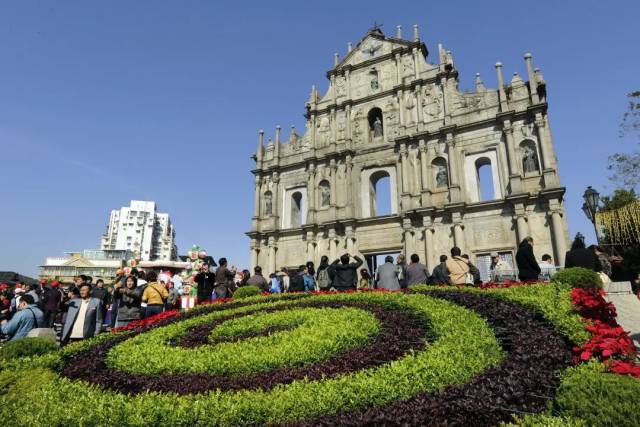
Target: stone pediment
point(372, 46)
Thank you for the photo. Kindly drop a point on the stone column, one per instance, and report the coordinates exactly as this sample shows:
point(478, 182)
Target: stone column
point(256, 202)
point(424, 165)
point(458, 236)
point(348, 121)
point(276, 199)
point(404, 165)
point(332, 179)
point(348, 177)
point(416, 168)
point(416, 63)
point(408, 237)
point(515, 179)
point(429, 248)
point(333, 245)
point(311, 192)
point(522, 226)
point(419, 106)
point(347, 78)
point(311, 255)
point(334, 129)
point(400, 96)
point(398, 69)
point(558, 236)
point(399, 183)
point(254, 254)
point(313, 131)
point(350, 240)
point(548, 162)
point(272, 254)
point(454, 185)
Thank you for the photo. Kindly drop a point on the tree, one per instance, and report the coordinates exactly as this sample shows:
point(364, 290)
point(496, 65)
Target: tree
point(624, 165)
point(618, 199)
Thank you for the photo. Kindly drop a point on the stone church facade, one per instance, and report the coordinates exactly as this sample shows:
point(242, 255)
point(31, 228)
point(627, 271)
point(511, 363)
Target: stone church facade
point(390, 114)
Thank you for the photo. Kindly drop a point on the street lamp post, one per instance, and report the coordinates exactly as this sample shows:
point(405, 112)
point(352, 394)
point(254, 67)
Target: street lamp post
point(590, 207)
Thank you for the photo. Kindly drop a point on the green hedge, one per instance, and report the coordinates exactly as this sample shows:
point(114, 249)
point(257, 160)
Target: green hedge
point(552, 300)
point(246, 291)
point(578, 277)
point(456, 356)
point(320, 333)
point(599, 398)
point(26, 347)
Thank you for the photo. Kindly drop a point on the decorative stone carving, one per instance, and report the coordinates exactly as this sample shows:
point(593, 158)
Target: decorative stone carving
point(268, 203)
point(341, 127)
point(442, 176)
point(529, 159)
point(373, 82)
point(324, 130)
point(325, 194)
point(340, 86)
point(357, 125)
point(409, 105)
point(407, 67)
point(391, 119)
point(377, 128)
point(431, 103)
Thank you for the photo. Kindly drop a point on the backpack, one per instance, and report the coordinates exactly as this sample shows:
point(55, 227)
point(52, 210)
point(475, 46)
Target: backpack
point(324, 281)
point(296, 283)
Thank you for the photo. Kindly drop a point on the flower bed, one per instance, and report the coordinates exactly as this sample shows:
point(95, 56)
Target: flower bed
point(433, 356)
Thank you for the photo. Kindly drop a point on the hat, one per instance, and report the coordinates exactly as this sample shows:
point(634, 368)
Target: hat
point(4, 286)
point(55, 284)
point(494, 255)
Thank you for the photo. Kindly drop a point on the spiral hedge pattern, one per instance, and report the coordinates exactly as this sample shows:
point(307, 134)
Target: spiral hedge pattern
point(431, 357)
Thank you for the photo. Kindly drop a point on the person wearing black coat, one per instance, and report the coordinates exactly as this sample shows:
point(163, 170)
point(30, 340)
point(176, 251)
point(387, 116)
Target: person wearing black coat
point(206, 281)
point(528, 268)
point(345, 274)
point(440, 275)
point(580, 256)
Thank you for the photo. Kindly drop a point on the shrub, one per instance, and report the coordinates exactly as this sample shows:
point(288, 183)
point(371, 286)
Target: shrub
point(27, 347)
point(247, 291)
point(579, 277)
point(601, 399)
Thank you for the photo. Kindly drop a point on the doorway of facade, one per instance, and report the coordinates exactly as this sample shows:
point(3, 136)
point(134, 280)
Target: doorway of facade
point(376, 259)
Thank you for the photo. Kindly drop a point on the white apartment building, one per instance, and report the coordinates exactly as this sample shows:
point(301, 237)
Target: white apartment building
point(139, 228)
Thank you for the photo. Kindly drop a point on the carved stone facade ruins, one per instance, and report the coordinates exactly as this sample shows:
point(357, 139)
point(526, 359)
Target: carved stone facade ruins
point(388, 113)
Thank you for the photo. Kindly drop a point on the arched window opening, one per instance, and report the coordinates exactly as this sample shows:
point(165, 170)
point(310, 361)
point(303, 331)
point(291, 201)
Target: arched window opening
point(530, 161)
point(484, 174)
point(325, 193)
point(268, 204)
point(376, 128)
point(380, 197)
point(440, 173)
point(296, 209)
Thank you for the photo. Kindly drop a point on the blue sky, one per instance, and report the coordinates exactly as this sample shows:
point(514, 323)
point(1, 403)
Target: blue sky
point(104, 102)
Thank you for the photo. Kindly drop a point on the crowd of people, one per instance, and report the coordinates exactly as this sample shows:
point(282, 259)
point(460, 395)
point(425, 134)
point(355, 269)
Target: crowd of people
point(84, 309)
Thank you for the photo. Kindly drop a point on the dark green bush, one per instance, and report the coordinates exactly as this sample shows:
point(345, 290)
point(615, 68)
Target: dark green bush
point(599, 398)
point(247, 291)
point(578, 277)
point(27, 347)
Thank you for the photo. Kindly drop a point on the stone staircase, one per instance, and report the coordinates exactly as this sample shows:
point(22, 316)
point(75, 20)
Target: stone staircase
point(627, 307)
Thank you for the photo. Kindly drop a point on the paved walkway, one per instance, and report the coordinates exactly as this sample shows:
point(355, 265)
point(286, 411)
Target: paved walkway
point(627, 307)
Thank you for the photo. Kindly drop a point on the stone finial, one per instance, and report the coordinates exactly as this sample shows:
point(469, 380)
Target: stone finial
point(312, 96)
point(416, 33)
point(442, 55)
point(398, 31)
point(538, 75)
point(349, 47)
point(270, 143)
point(336, 59)
point(278, 134)
point(499, 73)
point(533, 89)
point(449, 57)
point(479, 84)
point(260, 144)
point(516, 78)
point(293, 136)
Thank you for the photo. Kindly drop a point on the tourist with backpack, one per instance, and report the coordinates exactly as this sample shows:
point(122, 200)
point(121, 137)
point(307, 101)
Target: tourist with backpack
point(297, 282)
point(344, 273)
point(323, 280)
